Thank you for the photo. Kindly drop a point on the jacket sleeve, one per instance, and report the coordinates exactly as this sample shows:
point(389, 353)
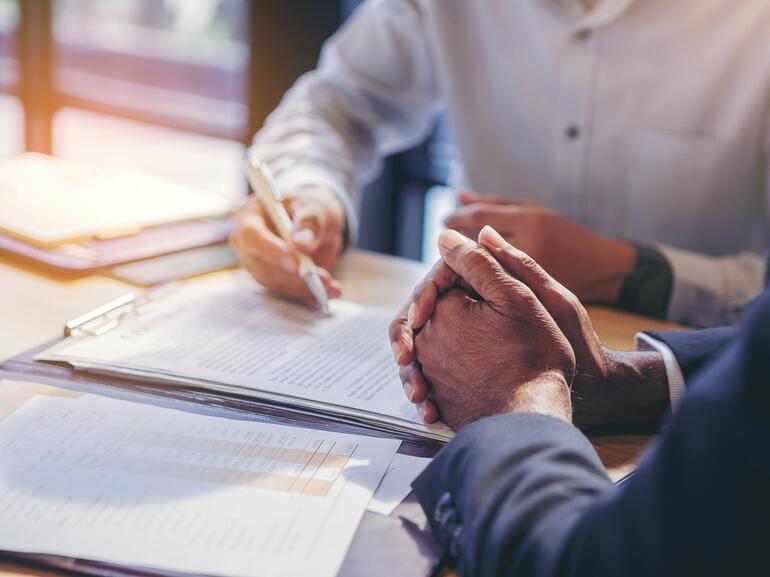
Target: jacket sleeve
point(693, 349)
point(523, 494)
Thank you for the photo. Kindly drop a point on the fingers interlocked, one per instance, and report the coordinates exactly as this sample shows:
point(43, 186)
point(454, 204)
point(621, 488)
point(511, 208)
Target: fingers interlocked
point(493, 272)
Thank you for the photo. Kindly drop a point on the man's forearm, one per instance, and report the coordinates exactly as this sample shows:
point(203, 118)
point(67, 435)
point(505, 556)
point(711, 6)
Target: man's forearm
point(634, 392)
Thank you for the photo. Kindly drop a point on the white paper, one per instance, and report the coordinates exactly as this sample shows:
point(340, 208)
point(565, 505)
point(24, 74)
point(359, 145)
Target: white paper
point(124, 483)
point(239, 336)
point(52, 200)
point(397, 483)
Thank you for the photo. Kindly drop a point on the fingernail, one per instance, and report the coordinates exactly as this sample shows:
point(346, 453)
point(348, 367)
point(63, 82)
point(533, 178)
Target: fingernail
point(493, 237)
point(396, 350)
point(410, 315)
point(451, 239)
point(409, 390)
point(303, 236)
point(287, 263)
point(421, 412)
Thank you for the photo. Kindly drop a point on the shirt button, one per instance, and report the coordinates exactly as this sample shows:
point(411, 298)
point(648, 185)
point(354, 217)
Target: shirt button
point(572, 132)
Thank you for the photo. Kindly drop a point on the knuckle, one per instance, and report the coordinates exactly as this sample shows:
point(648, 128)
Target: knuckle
point(572, 310)
point(565, 312)
point(395, 328)
point(519, 303)
point(572, 302)
point(528, 263)
point(478, 261)
point(521, 296)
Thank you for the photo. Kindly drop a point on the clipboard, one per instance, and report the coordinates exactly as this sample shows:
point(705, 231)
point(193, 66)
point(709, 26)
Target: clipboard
point(108, 316)
point(405, 532)
point(103, 319)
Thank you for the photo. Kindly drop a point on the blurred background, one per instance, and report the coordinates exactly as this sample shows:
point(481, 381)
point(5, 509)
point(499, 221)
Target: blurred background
point(178, 87)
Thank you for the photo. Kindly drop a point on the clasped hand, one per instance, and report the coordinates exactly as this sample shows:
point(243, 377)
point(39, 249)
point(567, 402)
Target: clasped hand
point(489, 331)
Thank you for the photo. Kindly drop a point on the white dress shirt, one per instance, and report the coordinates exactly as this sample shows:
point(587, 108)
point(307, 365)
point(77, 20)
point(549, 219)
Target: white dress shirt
point(643, 119)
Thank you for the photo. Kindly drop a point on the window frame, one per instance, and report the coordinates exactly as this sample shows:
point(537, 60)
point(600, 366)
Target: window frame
point(31, 76)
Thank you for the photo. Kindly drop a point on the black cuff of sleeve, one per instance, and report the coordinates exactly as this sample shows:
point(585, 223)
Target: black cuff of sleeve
point(647, 289)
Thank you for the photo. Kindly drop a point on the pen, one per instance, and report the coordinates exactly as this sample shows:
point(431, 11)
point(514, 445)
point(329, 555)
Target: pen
point(261, 180)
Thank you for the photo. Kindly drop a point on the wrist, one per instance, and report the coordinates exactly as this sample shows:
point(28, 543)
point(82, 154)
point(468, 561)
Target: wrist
point(634, 390)
point(548, 394)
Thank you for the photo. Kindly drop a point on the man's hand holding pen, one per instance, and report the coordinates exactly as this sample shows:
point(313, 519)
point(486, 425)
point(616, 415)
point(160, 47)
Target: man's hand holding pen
point(318, 222)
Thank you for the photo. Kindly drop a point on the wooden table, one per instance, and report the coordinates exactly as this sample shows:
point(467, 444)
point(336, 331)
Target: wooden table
point(35, 304)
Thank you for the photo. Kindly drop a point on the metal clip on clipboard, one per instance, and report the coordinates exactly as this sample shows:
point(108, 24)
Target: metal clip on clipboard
point(108, 316)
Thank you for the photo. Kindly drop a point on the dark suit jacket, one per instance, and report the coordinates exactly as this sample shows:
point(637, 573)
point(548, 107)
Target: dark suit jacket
point(693, 349)
point(525, 494)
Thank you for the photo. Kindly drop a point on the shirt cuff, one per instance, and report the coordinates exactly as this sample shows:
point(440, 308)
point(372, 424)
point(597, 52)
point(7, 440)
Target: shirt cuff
point(676, 386)
point(709, 291)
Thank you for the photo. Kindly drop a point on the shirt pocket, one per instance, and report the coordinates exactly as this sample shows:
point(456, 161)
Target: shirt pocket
point(695, 192)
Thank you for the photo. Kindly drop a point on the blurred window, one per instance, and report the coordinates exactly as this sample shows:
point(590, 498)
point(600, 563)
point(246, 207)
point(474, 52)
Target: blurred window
point(179, 86)
point(206, 162)
point(158, 84)
point(174, 62)
point(132, 75)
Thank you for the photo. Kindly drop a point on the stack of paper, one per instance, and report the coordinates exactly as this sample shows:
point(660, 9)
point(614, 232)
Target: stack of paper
point(239, 340)
point(146, 487)
point(78, 216)
point(50, 201)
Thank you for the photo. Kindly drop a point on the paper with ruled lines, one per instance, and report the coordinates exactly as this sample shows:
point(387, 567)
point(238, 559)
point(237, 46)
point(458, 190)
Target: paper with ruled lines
point(219, 336)
point(108, 480)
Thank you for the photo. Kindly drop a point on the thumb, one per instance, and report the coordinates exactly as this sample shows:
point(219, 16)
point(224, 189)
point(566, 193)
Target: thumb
point(563, 306)
point(477, 267)
point(307, 228)
point(555, 298)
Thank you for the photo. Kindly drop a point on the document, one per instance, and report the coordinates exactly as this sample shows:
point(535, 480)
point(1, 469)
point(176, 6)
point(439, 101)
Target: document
point(397, 483)
point(239, 339)
point(154, 488)
point(47, 200)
